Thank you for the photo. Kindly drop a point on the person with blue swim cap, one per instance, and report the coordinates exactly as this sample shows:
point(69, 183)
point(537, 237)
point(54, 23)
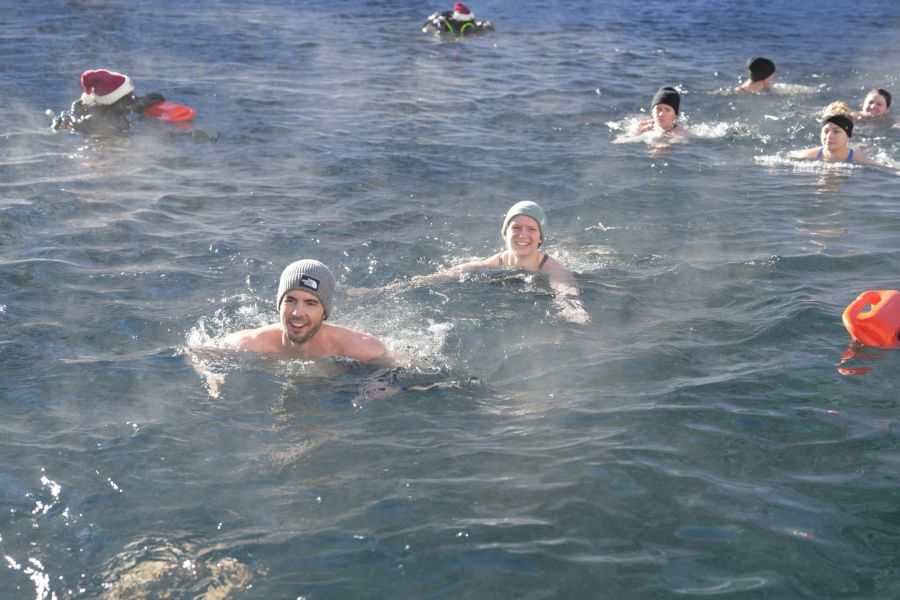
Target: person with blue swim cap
point(523, 232)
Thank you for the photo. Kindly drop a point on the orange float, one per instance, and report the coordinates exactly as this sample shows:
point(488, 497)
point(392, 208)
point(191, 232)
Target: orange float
point(880, 325)
point(169, 112)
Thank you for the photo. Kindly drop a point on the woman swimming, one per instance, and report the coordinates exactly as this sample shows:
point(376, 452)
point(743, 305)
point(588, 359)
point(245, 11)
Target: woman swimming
point(523, 232)
point(664, 109)
point(837, 129)
point(876, 105)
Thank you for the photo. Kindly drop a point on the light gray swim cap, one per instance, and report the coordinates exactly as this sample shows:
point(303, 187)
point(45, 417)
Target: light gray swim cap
point(311, 276)
point(528, 208)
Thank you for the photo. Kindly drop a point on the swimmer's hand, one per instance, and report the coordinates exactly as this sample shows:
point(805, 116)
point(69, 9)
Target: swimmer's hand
point(147, 100)
point(379, 386)
point(61, 122)
point(572, 310)
point(643, 126)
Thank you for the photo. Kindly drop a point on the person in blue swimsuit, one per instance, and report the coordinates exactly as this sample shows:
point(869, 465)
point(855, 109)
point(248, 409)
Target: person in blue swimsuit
point(523, 232)
point(837, 129)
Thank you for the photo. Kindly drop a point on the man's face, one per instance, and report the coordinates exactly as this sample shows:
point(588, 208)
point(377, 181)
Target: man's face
point(302, 315)
point(664, 116)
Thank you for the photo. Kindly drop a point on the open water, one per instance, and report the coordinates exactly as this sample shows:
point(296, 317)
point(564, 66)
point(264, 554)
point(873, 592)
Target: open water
point(711, 432)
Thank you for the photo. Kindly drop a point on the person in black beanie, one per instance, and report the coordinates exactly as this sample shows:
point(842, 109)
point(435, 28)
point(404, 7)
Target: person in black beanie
point(837, 129)
point(762, 75)
point(664, 110)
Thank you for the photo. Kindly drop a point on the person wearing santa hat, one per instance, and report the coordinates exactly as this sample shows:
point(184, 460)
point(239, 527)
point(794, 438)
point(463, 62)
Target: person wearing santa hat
point(107, 100)
point(460, 21)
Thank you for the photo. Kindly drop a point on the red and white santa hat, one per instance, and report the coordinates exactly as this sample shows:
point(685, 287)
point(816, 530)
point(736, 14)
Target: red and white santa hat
point(104, 87)
point(461, 12)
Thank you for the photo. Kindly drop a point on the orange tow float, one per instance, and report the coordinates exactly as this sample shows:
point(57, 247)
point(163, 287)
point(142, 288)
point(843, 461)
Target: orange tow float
point(880, 325)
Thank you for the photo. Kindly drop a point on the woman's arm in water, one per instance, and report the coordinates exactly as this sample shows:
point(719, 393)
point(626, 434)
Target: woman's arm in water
point(449, 274)
point(567, 298)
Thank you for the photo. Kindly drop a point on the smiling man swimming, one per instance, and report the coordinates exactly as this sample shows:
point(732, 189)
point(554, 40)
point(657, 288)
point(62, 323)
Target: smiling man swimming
point(304, 300)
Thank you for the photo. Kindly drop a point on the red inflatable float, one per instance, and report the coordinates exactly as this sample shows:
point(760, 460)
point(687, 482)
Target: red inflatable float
point(880, 325)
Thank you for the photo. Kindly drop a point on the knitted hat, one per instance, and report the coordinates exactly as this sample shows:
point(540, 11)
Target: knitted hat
point(528, 208)
point(760, 68)
point(104, 87)
point(842, 121)
point(461, 12)
point(669, 96)
point(307, 276)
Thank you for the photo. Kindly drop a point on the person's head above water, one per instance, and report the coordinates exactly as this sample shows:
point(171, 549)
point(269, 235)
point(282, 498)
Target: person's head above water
point(760, 68)
point(461, 12)
point(669, 96)
point(105, 87)
point(839, 114)
point(877, 103)
point(529, 209)
point(310, 276)
point(305, 292)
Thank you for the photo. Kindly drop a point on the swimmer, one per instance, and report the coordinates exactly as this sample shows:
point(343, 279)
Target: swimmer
point(305, 292)
point(876, 105)
point(523, 232)
point(762, 76)
point(459, 21)
point(664, 108)
point(837, 129)
point(104, 106)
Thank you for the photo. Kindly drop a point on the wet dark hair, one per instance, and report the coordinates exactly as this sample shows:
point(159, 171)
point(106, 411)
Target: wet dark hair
point(883, 92)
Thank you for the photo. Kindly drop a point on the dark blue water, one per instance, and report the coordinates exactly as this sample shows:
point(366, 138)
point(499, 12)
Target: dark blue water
point(711, 432)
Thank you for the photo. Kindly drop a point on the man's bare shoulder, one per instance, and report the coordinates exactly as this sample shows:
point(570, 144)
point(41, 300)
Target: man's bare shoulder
point(349, 343)
point(261, 339)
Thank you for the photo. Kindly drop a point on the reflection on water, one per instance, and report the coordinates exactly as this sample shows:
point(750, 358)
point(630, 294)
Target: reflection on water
point(700, 436)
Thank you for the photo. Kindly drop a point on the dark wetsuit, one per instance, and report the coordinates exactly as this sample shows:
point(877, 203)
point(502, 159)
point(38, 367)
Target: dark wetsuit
point(103, 119)
point(822, 149)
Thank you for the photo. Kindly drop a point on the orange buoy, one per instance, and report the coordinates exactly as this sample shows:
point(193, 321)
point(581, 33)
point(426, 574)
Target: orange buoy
point(169, 112)
point(880, 325)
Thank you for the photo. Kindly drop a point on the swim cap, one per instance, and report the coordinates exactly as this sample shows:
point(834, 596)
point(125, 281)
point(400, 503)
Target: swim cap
point(842, 121)
point(527, 208)
point(669, 96)
point(307, 276)
point(760, 68)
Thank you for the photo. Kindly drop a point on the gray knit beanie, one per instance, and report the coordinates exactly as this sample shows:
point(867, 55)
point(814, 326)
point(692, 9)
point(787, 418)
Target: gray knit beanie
point(528, 208)
point(311, 276)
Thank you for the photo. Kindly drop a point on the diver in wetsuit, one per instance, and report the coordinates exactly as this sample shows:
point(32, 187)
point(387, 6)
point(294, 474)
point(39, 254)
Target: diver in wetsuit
point(104, 106)
point(460, 21)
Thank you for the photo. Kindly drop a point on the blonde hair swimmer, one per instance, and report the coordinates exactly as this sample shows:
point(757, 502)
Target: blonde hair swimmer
point(304, 300)
point(837, 129)
point(523, 232)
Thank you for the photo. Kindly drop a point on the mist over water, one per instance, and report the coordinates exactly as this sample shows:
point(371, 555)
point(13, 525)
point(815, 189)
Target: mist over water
point(711, 432)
